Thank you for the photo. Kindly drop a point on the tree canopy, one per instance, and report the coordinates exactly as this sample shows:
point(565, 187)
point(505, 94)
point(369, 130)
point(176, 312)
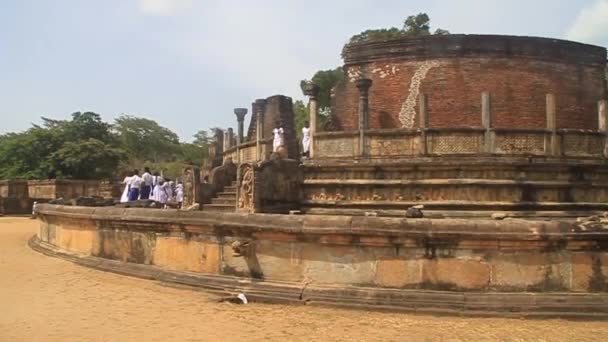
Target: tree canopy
point(85, 147)
point(413, 25)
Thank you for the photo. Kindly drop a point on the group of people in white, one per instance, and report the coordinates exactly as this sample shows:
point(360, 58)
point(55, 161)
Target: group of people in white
point(153, 187)
point(278, 139)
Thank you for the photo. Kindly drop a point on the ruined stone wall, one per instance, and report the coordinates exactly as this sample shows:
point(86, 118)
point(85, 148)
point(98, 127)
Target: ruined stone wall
point(395, 253)
point(454, 70)
point(279, 109)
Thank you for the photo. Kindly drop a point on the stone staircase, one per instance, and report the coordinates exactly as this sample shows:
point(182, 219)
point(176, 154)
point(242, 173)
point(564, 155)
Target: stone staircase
point(224, 201)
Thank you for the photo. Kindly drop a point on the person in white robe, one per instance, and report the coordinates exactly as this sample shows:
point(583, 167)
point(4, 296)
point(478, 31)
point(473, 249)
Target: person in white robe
point(306, 140)
point(163, 193)
point(277, 140)
point(156, 193)
point(179, 194)
point(125, 193)
point(170, 191)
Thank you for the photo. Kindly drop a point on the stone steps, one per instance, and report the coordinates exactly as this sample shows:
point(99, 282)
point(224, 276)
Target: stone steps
point(224, 200)
point(219, 207)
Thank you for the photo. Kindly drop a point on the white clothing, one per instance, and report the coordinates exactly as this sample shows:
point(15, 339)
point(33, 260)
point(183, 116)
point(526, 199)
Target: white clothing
point(277, 141)
point(163, 194)
point(157, 189)
point(125, 193)
point(179, 193)
point(135, 182)
point(305, 139)
point(169, 190)
point(147, 178)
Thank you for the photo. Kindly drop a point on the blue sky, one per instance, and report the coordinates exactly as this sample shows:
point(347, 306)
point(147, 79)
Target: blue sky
point(188, 63)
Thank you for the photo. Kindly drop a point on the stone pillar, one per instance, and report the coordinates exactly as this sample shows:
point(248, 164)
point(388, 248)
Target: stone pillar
point(312, 91)
point(217, 149)
point(230, 137)
point(423, 121)
point(240, 120)
point(363, 85)
point(551, 145)
point(602, 113)
point(226, 140)
point(260, 106)
point(486, 122)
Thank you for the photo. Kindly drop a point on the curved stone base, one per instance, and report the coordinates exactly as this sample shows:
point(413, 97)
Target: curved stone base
point(568, 305)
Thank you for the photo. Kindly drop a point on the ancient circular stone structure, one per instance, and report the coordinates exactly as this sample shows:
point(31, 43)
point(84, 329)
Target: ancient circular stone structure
point(453, 70)
point(513, 267)
point(469, 126)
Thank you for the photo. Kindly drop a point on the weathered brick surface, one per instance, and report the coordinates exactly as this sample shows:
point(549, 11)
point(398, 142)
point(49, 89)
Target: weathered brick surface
point(517, 71)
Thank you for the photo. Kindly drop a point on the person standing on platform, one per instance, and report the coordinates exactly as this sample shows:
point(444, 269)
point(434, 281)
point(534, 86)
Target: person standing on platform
point(277, 141)
point(125, 193)
point(179, 194)
point(146, 186)
point(134, 186)
point(306, 140)
point(157, 187)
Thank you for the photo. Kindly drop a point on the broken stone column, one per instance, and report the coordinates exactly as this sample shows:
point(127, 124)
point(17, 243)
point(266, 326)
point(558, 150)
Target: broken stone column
point(486, 122)
point(312, 91)
point(423, 121)
point(552, 148)
point(229, 138)
point(363, 85)
point(260, 106)
point(602, 113)
point(240, 119)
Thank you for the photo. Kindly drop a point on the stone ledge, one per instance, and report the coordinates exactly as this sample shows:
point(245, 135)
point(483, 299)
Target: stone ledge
point(475, 46)
point(518, 305)
point(324, 229)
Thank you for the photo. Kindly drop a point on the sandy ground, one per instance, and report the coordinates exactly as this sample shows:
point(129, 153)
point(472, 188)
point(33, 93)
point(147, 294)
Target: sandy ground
point(47, 299)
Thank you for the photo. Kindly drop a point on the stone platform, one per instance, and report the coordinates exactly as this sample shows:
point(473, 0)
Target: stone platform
point(480, 267)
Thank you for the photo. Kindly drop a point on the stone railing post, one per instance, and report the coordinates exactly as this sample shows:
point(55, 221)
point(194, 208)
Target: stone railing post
point(423, 122)
point(486, 122)
point(551, 146)
point(240, 120)
point(312, 91)
point(260, 106)
point(363, 85)
point(602, 113)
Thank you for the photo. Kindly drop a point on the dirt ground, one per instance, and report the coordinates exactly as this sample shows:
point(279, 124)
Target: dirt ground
point(47, 299)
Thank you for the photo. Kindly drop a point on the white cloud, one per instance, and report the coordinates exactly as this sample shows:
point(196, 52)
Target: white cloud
point(591, 24)
point(164, 7)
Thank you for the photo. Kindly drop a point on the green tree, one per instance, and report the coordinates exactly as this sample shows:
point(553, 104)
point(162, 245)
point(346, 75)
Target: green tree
point(87, 159)
point(417, 25)
point(413, 25)
point(82, 147)
point(146, 140)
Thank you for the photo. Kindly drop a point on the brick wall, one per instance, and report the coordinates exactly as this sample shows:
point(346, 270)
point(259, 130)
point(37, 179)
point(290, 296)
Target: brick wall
point(517, 76)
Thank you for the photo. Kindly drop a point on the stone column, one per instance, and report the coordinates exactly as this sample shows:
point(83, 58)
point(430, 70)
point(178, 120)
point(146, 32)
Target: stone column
point(260, 106)
point(363, 85)
point(423, 121)
point(226, 141)
point(602, 113)
point(312, 91)
point(240, 119)
point(486, 122)
point(230, 134)
point(551, 146)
